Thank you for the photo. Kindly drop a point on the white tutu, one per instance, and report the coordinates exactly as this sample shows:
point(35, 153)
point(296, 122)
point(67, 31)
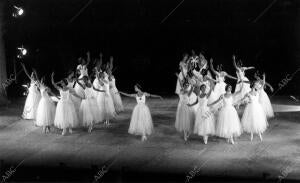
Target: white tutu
point(141, 120)
point(254, 118)
point(65, 116)
point(109, 108)
point(79, 90)
point(101, 105)
point(116, 97)
point(266, 103)
point(185, 115)
point(205, 121)
point(219, 88)
point(32, 102)
point(76, 101)
point(228, 123)
point(178, 87)
point(45, 111)
point(89, 109)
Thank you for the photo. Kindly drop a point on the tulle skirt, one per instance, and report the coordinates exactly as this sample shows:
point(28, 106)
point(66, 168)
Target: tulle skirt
point(266, 104)
point(219, 89)
point(31, 104)
point(109, 108)
point(246, 89)
point(178, 87)
point(89, 112)
point(141, 120)
point(79, 90)
point(205, 122)
point(65, 115)
point(228, 123)
point(76, 101)
point(254, 119)
point(101, 106)
point(45, 112)
point(117, 100)
point(185, 117)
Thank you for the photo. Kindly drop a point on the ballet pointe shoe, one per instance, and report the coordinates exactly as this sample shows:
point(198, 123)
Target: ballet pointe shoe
point(90, 129)
point(64, 132)
point(205, 139)
point(70, 130)
point(231, 140)
point(144, 138)
point(260, 137)
point(251, 136)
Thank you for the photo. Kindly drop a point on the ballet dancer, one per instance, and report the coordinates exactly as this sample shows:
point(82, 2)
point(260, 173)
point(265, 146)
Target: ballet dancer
point(141, 120)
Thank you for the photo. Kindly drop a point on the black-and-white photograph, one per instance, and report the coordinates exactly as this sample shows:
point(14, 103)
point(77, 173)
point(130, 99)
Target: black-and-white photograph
point(149, 91)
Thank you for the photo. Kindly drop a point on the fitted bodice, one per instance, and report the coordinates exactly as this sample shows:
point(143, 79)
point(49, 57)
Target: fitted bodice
point(70, 84)
point(202, 101)
point(254, 98)
point(64, 94)
point(88, 92)
point(228, 101)
point(220, 78)
point(44, 93)
point(141, 99)
point(112, 83)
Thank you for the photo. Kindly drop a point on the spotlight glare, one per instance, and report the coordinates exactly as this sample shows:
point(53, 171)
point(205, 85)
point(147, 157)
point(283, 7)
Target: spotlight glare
point(18, 12)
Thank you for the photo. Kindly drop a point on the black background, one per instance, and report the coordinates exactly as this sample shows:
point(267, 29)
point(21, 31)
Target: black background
point(147, 50)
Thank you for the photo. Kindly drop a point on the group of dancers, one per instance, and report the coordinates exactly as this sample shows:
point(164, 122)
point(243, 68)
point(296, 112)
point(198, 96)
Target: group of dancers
point(207, 106)
point(83, 103)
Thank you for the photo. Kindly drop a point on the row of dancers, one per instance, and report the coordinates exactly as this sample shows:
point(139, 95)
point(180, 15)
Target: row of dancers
point(83, 103)
point(207, 106)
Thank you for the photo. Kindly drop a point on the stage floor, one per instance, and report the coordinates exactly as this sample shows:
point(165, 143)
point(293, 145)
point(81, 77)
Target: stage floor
point(112, 155)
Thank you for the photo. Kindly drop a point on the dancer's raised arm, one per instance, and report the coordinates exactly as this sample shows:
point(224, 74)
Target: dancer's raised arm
point(88, 58)
point(234, 62)
point(26, 72)
point(53, 83)
point(230, 76)
point(212, 67)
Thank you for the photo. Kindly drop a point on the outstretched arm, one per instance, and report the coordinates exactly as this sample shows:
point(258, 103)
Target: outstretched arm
point(221, 97)
point(234, 62)
point(231, 77)
point(212, 67)
point(153, 96)
point(127, 95)
point(53, 83)
point(248, 68)
point(88, 58)
point(25, 70)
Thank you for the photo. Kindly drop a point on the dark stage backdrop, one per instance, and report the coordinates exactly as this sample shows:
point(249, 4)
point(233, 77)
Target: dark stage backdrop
point(147, 50)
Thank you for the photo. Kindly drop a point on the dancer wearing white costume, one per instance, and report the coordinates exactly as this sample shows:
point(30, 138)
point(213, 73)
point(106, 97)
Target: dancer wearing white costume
point(264, 99)
point(205, 120)
point(141, 120)
point(185, 115)
point(113, 89)
point(83, 71)
point(220, 80)
point(254, 119)
point(240, 72)
point(46, 108)
point(98, 86)
point(33, 97)
point(228, 122)
point(71, 84)
point(182, 74)
point(65, 115)
point(88, 108)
